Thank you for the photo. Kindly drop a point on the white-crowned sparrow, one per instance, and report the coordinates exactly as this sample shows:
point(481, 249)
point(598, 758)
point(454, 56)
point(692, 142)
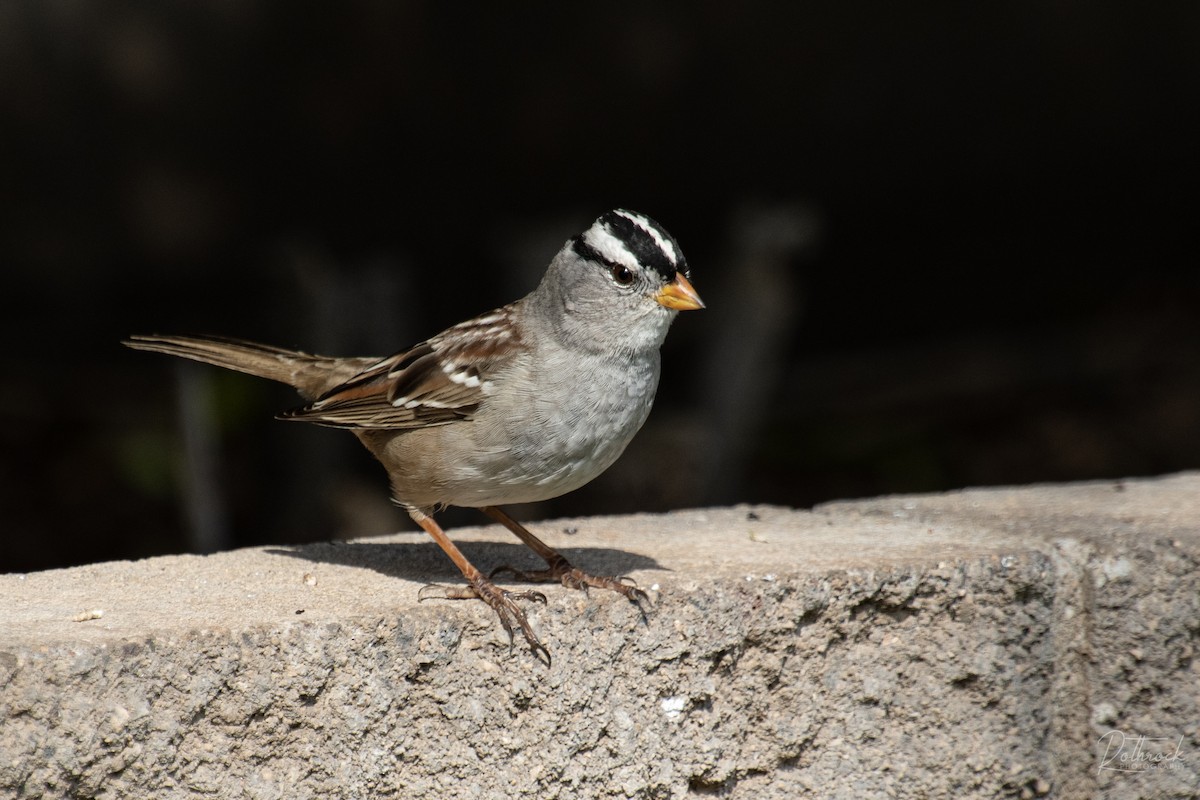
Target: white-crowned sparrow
point(520, 404)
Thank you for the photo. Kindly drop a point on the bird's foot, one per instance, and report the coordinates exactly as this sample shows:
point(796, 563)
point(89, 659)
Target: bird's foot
point(559, 570)
point(502, 601)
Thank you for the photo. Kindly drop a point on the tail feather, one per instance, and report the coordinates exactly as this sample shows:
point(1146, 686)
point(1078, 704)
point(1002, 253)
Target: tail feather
point(310, 375)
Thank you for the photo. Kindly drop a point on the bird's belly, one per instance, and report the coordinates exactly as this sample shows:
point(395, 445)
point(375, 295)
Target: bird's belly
point(552, 458)
point(539, 450)
point(551, 449)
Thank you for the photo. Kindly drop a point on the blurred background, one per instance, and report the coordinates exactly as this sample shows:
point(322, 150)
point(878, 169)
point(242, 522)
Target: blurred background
point(945, 244)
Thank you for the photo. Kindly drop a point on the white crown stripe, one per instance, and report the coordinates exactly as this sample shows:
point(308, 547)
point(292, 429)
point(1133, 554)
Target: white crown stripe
point(610, 247)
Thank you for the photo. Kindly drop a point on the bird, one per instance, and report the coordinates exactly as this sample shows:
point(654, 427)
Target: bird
point(520, 404)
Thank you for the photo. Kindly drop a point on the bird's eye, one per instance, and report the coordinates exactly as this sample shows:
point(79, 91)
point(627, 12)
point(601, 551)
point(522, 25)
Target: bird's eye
point(622, 275)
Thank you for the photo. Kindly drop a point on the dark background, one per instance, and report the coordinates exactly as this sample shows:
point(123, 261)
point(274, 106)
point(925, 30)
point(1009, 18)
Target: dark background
point(942, 244)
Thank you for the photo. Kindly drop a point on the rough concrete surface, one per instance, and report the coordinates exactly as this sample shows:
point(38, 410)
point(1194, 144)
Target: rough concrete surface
point(987, 643)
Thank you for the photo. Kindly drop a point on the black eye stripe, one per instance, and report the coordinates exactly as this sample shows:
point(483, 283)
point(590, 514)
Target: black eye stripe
point(620, 273)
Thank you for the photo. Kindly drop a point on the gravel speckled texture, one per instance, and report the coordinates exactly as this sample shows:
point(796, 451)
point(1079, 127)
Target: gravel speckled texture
point(973, 644)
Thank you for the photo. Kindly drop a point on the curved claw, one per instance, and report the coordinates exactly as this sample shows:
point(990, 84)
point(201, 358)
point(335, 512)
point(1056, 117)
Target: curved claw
point(502, 601)
point(532, 596)
point(561, 571)
point(628, 587)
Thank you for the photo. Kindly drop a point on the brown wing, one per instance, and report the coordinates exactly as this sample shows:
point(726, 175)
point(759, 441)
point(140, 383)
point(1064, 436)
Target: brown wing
point(438, 382)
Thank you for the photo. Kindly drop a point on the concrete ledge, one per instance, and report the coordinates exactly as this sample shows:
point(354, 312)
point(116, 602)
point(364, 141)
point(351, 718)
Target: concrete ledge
point(975, 644)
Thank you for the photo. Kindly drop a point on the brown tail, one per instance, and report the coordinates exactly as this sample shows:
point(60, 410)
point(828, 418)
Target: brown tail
point(308, 374)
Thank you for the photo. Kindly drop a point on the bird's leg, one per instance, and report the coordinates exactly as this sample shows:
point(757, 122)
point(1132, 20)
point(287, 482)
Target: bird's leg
point(478, 586)
point(558, 569)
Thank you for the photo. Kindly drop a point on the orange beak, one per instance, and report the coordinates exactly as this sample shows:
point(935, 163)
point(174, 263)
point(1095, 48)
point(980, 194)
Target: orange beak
point(679, 295)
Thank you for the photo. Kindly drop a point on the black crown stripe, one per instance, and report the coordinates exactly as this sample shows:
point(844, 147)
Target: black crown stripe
point(643, 246)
